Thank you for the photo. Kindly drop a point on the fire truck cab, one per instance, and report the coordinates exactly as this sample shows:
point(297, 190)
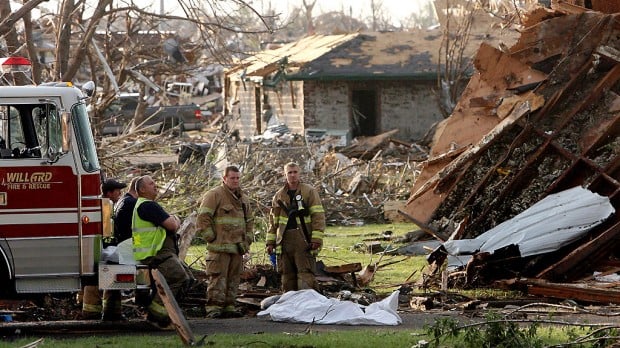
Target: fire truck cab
point(52, 215)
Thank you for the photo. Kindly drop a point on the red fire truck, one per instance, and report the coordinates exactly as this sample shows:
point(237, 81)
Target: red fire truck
point(52, 215)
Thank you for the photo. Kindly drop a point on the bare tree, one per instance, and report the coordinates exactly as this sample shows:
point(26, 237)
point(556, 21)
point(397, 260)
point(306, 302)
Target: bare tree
point(8, 19)
point(32, 52)
point(308, 7)
point(378, 16)
point(453, 65)
point(123, 46)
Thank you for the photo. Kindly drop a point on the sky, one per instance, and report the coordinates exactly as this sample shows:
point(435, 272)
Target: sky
point(396, 9)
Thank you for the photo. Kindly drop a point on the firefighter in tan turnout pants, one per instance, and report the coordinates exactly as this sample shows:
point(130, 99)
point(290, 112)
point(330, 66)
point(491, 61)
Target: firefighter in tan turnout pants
point(297, 224)
point(226, 224)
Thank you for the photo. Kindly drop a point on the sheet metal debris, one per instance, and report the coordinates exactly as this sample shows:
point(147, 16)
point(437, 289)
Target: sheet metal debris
point(554, 222)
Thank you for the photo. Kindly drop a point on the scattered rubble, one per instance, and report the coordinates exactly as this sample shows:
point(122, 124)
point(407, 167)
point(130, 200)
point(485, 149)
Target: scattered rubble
point(542, 117)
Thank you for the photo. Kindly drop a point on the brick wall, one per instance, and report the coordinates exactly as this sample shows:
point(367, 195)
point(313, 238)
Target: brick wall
point(409, 106)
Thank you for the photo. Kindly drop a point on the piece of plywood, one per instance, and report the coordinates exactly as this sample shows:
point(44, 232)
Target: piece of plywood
point(174, 311)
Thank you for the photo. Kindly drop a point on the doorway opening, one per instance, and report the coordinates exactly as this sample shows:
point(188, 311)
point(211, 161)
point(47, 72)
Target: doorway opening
point(364, 113)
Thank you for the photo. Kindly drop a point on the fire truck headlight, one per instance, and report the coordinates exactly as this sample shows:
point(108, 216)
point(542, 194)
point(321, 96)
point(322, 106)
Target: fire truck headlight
point(85, 219)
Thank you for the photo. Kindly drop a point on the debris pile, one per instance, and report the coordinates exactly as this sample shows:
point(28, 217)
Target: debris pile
point(354, 190)
point(541, 118)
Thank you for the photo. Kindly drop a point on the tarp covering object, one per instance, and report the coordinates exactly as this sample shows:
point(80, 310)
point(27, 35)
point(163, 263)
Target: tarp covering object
point(308, 306)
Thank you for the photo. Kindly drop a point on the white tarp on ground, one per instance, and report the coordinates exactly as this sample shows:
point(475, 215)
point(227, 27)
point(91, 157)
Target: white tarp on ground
point(308, 306)
point(548, 225)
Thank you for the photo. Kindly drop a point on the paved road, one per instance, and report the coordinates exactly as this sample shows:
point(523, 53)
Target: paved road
point(254, 325)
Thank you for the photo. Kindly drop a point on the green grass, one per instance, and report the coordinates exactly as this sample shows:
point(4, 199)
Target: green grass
point(545, 336)
point(345, 245)
point(324, 339)
point(339, 247)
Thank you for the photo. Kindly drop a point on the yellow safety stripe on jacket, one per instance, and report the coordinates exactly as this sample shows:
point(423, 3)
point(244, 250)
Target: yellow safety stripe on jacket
point(316, 234)
point(205, 210)
point(91, 307)
point(283, 219)
point(316, 209)
point(229, 220)
point(148, 238)
point(228, 248)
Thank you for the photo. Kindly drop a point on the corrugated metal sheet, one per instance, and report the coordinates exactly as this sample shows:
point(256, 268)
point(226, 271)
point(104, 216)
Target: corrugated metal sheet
point(553, 222)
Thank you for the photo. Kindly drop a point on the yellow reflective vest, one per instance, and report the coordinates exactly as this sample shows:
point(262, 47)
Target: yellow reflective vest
point(148, 238)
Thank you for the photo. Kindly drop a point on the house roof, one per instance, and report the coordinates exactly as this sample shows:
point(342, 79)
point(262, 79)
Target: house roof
point(297, 53)
point(362, 56)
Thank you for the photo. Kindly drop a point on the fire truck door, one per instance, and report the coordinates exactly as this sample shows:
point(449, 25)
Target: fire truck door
point(40, 216)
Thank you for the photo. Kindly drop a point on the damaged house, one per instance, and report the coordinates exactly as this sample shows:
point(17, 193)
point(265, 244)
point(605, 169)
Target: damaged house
point(538, 121)
point(349, 85)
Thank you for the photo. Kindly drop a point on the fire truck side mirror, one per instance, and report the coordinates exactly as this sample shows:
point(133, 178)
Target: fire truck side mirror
point(89, 88)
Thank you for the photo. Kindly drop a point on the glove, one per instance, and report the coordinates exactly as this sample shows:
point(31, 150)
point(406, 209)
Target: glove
point(292, 212)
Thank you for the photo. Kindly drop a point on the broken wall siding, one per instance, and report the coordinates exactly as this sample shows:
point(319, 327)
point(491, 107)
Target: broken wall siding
point(571, 139)
point(327, 105)
point(405, 105)
point(286, 100)
point(410, 107)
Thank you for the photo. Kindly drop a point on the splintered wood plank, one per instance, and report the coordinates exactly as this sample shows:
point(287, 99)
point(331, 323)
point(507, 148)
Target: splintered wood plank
point(174, 311)
point(579, 292)
point(346, 268)
point(583, 256)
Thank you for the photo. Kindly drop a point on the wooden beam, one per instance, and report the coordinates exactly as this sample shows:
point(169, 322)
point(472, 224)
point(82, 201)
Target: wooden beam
point(580, 256)
point(424, 227)
point(174, 311)
point(572, 291)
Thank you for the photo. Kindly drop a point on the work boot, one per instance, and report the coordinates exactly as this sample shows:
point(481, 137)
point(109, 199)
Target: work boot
point(231, 312)
point(213, 312)
point(159, 322)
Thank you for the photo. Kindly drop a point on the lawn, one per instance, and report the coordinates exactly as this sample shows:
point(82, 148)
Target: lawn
point(344, 245)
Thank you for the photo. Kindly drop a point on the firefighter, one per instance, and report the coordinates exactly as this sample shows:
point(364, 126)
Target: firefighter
point(91, 298)
point(123, 211)
point(296, 224)
point(226, 224)
point(155, 245)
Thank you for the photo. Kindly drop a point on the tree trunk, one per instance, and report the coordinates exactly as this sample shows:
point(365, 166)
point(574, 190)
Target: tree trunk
point(308, 7)
point(32, 52)
point(63, 44)
point(82, 49)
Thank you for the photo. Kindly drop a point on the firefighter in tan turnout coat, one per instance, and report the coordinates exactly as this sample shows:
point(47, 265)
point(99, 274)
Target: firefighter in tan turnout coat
point(297, 224)
point(226, 224)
